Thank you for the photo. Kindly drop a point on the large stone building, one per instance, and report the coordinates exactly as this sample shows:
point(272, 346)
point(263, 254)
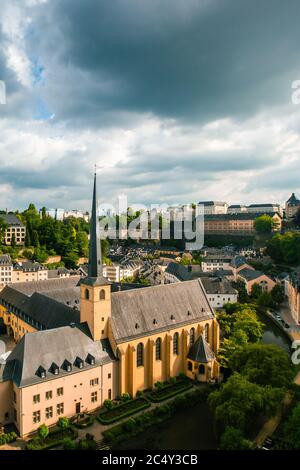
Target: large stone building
point(214, 207)
point(73, 354)
point(15, 230)
point(292, 206)
point(6, 270)
point(292, 290)
point(236, 224)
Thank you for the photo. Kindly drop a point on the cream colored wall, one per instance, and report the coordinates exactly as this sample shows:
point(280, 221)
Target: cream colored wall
point(133, 378)
point(18, 327)
point(24, 276)
point(6, 401)
point(77, 389)
point(269, 283)
point(94, 311)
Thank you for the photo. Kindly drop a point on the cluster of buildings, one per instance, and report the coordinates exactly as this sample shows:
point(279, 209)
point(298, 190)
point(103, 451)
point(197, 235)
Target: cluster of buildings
point(78, 342)
point(61, 214)
point(15, 231)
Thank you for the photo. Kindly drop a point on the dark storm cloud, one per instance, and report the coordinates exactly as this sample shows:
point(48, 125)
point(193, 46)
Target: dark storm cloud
point(183, 59)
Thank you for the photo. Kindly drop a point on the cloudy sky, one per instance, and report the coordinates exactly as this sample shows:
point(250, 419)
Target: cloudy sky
point(176, 100)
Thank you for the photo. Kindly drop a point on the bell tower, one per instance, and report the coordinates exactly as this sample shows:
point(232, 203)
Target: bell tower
point(95, 289)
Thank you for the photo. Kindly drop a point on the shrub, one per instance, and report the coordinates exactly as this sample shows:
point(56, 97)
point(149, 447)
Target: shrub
point(139, 393)
point(8, 438)
point(159, 385)
point(108, 404)
point(125, 397)
point(87, 444)
point(173, 380)
point(68, 444)
point(63, 423)
point(129, 425)
point(43, 431)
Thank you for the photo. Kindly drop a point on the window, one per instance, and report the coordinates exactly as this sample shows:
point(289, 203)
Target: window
point(176, 343)
point(94, 382)
point(86, 294)
point(140, 355)
point(201, 369)
point(102, 294)
point(49, 412)
point(49, 395)
point(192, 336)
point(190, 366)
point(158, 349)
point(206, 332)
point(36, 398)
point(109, 393)
point(94, 397)
point(60, 409)
point(60, 391)
point(109, 376)
point(36, 417)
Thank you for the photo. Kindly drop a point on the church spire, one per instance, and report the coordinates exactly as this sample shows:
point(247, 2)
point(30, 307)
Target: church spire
point(95, 256)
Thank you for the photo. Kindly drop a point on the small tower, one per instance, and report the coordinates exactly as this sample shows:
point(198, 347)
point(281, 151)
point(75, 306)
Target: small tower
point(95, 289)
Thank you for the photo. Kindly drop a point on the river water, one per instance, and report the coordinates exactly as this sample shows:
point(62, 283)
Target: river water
point(192, 429)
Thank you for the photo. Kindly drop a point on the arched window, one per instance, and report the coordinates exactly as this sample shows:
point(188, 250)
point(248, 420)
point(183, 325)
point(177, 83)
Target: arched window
point(140, 355)
point(102, 294)
point(192, 336)
point(190, 366)
point(158, 349)
point(206, 332)
point(86, 294)
point(176, 343)
point(201, 369)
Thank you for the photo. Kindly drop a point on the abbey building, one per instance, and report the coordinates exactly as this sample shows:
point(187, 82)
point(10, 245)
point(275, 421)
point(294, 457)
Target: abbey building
point(78, 343)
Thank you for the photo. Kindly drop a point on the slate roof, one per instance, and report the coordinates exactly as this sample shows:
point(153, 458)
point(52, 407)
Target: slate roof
point(29, 266)
point(212, 203)
point(238, 261)
point(39, 310)
point(201, 351)
point(28, 288)
point(214, 285)
point(251, 274)
point(292, 201)
point(43, 348)
point(5, 260)
point(142, 312)
point(179, 271)
point(12, 219)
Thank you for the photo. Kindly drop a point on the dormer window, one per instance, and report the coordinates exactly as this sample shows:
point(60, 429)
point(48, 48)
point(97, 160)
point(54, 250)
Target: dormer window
point(54, 368)
point(172, 317)
point(90, 359)
point(154, 321)
point(137, 326)
point(67, 366)
point(41, 372)
point(79, 362)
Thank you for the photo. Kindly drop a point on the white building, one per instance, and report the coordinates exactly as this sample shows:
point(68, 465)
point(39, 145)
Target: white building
point(236, 209)
point(216, 263)
point(219, 291)
point(265, 208)
point(214, 207)
point(6, 268)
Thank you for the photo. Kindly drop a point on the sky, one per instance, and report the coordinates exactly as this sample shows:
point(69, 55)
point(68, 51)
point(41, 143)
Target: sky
point(176, 101)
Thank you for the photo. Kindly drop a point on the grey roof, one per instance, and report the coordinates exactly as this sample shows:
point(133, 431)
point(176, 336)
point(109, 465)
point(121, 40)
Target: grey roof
point(69, 296)
point(11, 219)
point(95, 257)
point(29, 266)
point(5, 260)
point(39, 310)
point(292, 201)
point(43, 348)
point(263, 205)
point(201, 351)
point(212, 203)
point(47, 285)
point(250, 274)
point(214, 285)
point(238, 261)
point(141, 312)
point(179, 271)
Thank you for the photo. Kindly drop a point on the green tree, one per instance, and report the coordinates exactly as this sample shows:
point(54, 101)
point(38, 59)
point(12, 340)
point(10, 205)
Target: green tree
point(263, 364)
point(277, 294)
point(233, 439)
point(256, 291)
point(264, 224)
point(43, 431)
point(63, 423)
point(292, 429)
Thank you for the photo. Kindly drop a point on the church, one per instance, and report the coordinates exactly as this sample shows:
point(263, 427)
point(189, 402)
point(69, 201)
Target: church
point(79, 343)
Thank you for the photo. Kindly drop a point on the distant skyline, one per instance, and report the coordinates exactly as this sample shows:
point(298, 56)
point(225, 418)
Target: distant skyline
point(177, 101)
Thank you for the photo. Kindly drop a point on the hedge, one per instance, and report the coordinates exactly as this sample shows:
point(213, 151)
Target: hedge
point(133, 426)
point(169, 391)
point(54, 439)
point(7, 438)
point(87, 421)
point(124, 409)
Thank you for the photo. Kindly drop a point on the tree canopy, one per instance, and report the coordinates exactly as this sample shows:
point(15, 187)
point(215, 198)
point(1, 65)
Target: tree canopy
point(285, 248)
point(264, 224)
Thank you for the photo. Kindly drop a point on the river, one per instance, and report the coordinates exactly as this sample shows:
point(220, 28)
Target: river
point(192, 429)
